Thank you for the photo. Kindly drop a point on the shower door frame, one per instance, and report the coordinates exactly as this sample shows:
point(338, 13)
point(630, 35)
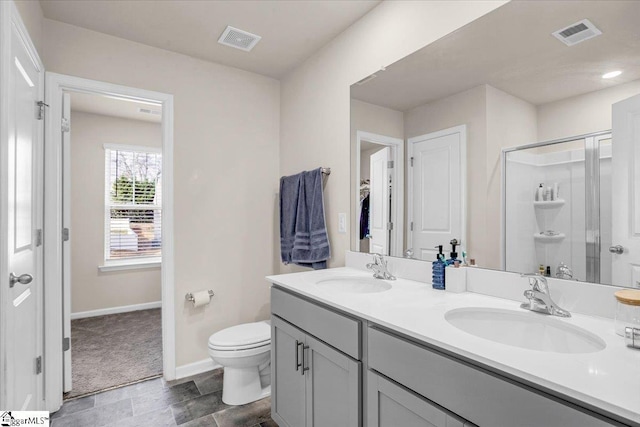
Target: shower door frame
point(592, 195)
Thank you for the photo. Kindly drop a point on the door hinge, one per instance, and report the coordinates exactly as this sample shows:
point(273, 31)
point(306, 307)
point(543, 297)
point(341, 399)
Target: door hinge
point(390, 226)
point(412, 162)
point(411, 225)
point(39, 237)
point(390, 164)
point(41, 111)
point(66, 344)
point(65, 125)
point(65, 234)
point(38, 365)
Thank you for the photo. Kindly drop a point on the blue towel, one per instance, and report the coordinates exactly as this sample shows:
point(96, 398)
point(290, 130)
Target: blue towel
point(303, 236)
point(289, 192)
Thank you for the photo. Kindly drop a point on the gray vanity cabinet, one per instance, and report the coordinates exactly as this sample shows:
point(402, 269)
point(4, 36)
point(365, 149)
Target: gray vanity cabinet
point(313, 384)
point(287, 380)
point(333, 387)
point(320, 357)
point(390, 405)
point(472, 393)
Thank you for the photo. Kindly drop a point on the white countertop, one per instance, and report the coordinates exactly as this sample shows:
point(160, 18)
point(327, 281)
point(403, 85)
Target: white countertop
point(608, 379)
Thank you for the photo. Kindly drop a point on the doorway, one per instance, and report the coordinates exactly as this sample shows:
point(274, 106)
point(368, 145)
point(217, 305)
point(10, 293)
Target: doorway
point(112, 218)
point(379, 193)
point(110, 165)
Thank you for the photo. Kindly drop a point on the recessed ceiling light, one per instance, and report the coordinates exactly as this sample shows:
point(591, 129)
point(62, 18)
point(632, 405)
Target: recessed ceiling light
point(611, 75)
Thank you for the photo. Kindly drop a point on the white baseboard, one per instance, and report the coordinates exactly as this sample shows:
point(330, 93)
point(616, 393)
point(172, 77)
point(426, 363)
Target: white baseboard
point(115, 310)
point(195, 368)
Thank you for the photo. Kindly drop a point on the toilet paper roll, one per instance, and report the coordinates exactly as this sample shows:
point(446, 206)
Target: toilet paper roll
point(201, 298)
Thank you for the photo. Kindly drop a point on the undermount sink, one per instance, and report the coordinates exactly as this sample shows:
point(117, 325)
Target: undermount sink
point(354, 285)
point(525, 330)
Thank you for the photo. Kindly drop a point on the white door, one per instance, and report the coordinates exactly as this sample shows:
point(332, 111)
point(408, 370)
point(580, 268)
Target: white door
point(379, 201)
point(24, 219)
point(626, 193)
point(66, 244)
point(436, 191)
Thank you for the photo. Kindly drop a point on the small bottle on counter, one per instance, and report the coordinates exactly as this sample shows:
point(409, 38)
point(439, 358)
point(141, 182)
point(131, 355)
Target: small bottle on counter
point(438, 267)
point(453, 255)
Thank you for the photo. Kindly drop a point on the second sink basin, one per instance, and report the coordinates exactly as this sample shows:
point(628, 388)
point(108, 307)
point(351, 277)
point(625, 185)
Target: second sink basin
point(354, 285)
point(525, 330)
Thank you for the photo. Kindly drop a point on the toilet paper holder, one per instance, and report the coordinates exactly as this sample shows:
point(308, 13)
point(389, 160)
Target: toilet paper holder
point(189, 296)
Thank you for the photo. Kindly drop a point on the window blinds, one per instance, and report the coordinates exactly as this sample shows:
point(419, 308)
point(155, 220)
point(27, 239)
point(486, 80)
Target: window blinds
point(133, 203)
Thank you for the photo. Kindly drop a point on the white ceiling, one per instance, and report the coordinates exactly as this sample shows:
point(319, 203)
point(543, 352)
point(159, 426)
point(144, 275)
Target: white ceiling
point(291, 30)
point(108, 106)
point(513, 50)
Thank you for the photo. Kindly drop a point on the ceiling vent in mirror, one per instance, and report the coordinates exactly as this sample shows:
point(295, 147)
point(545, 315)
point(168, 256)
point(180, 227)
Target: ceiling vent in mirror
point(577, 33)
point(239, 39)
point(148, 111)
point(366, 79)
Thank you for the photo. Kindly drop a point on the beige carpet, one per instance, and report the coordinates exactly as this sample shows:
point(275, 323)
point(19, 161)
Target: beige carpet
point(113, 350)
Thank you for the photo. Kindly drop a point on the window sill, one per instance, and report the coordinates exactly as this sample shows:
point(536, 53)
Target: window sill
point(131, 265)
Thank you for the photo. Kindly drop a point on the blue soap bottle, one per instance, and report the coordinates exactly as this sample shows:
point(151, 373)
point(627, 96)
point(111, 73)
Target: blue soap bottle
point(438, 266)
point(453, 255)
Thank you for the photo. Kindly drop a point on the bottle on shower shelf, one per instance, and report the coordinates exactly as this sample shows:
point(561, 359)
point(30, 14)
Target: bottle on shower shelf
point(540, 193)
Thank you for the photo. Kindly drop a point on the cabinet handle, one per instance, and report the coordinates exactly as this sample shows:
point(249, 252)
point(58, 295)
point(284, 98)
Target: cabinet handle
point(298, 364)
point(304, 368)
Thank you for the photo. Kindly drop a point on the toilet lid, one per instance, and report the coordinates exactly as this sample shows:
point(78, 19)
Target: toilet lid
point(247, 334)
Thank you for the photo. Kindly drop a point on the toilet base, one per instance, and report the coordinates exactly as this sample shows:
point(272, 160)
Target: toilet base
point(242, 385)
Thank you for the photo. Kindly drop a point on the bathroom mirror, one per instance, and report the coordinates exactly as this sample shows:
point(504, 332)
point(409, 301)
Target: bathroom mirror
point(455, 140)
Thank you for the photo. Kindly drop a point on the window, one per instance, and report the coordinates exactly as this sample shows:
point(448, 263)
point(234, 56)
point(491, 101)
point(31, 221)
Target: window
point(133, 204)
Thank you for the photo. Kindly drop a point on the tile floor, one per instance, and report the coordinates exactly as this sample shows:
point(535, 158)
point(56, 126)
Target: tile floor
point(189, 402)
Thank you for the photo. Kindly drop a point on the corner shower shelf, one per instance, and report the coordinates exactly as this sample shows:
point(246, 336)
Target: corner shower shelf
point(542, 238)
point(549, 204)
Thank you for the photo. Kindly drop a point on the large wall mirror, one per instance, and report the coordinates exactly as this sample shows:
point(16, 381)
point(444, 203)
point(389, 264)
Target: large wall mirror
point(516, 137)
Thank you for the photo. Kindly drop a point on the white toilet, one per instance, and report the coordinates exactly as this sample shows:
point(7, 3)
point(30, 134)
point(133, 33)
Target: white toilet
point(245, 353)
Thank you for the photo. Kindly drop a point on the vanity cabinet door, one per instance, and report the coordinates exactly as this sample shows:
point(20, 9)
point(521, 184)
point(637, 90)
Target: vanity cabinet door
point(287, 376)
point(332, 386)
point(389, 405)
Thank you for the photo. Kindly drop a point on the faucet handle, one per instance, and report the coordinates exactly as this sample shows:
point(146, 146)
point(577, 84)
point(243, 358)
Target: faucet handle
point(539, 283)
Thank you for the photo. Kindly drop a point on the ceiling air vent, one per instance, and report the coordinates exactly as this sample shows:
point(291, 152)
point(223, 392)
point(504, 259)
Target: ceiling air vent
point(239, 39)
point(577, 33)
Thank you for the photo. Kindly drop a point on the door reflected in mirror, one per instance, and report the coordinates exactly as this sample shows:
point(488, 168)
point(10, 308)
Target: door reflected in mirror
point(454, 140)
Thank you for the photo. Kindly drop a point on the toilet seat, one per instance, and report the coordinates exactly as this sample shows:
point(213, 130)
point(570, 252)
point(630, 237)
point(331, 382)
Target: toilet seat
point(266, 345)
point(241, 337)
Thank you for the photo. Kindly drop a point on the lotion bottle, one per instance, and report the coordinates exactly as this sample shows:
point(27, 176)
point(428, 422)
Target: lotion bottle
point(438, 266)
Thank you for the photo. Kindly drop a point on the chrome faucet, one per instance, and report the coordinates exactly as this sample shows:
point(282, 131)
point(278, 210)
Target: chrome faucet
point(564, 272)
point(379, 268)
point(539, 297)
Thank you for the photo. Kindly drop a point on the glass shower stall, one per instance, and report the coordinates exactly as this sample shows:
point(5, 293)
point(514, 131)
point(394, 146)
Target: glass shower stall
point(556, 200)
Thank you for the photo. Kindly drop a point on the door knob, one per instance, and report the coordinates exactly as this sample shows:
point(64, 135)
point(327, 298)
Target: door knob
point(24, 279)
point(617, 249)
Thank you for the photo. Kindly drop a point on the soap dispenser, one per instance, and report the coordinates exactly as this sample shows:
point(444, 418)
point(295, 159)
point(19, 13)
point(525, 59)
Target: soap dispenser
point(438, 270)
point(453, 255)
